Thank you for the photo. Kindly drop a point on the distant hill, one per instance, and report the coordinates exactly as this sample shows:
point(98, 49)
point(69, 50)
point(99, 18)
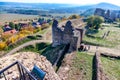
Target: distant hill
point(91, 9)
point(107, 6)
point(87, 8)
point(88, 12)
point(55, 8)
point(46, 6)
point(100, 5)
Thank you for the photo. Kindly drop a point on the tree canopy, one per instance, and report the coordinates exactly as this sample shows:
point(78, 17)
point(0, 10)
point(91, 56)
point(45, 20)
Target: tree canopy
point(94, 21)
point(12, 25)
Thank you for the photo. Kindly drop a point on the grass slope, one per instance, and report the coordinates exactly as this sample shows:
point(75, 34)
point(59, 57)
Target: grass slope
point(81, 69)
point(112, 41)
point(111, 67)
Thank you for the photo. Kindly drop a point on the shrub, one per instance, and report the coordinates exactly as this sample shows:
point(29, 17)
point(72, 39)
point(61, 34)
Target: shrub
point(44, 26)
point(13, 39)
point(25, 32)
point(5, 36)
point(74, 17)
point(2, 45)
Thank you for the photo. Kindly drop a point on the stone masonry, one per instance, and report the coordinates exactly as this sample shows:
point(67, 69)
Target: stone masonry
point(66, 35)
point(108, 14)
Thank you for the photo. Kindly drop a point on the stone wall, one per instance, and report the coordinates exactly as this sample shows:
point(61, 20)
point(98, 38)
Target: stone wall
point(66, 35)
point(27, 59)
point(107, 14)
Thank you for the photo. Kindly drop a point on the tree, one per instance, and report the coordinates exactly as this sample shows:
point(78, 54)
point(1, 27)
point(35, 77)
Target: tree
point(94, 21)
point(17, 26)
point(41, 20)
point(12, 25)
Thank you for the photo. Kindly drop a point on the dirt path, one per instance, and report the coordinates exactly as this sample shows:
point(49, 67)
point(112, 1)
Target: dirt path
point(104, 50)
point(44, 39)
point(25, 45)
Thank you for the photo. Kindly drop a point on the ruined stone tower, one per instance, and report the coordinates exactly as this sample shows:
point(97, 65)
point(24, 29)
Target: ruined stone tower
point(66, 35)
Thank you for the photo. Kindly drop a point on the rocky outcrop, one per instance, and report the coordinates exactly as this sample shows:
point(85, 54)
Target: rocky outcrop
point(28, 59)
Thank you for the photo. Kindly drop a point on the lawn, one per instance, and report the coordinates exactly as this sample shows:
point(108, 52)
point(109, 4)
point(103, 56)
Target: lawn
point(81, 68)
point(111, 67)
point(112, 41)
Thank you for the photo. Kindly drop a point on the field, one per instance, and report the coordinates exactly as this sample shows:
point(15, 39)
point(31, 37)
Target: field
point(11, 17)
point(82, 67)
point(111, 41)
point(111, 68)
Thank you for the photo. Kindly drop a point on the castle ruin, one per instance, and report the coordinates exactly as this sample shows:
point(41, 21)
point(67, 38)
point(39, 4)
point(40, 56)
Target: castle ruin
point(108, 14)
point(66, 34)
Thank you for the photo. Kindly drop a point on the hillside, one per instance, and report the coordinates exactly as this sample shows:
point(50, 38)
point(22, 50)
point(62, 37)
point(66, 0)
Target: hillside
point(52, 7)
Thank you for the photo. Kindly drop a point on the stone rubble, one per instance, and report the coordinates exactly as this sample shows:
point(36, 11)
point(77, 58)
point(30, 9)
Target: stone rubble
point(28, 59)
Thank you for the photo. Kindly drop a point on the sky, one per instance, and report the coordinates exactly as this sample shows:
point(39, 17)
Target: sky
point(80, 2)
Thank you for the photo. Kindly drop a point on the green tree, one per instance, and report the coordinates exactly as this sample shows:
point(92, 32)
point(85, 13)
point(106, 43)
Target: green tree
point(12, 25)
point(94, 21)
point(17, 26)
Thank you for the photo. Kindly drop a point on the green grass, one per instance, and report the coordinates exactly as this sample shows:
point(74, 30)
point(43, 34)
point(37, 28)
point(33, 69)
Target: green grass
point(42, 31)
point(39, 48)
point(45, 49)
point(29, 38)
point(111, 67)
point(112, 41)
point(81, 67)
point(19, 43)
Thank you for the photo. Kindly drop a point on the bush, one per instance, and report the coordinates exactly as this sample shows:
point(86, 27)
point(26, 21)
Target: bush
point(12, 25)
point(25, 32)
point(2, 45)
point(44, 26)
point(5, 36)
point(74, 17)
point(13, 39)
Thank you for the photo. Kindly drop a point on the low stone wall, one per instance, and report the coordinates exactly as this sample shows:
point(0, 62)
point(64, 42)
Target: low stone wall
point(99, 69)
point(66, 66)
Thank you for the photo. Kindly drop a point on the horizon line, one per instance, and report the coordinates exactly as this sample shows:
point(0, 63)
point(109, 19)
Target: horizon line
point(55, 3)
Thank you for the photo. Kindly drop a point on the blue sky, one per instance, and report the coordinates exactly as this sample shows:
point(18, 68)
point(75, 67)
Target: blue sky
point(81, 2)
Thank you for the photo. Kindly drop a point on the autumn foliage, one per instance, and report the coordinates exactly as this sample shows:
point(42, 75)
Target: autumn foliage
point(2, 45)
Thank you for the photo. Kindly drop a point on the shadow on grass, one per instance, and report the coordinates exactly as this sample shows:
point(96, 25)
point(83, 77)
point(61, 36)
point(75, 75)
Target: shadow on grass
point(51, 53)
point(117, 26)
point(90, 36)
point(90, 43)
point(92, 31)
point(94, 74)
